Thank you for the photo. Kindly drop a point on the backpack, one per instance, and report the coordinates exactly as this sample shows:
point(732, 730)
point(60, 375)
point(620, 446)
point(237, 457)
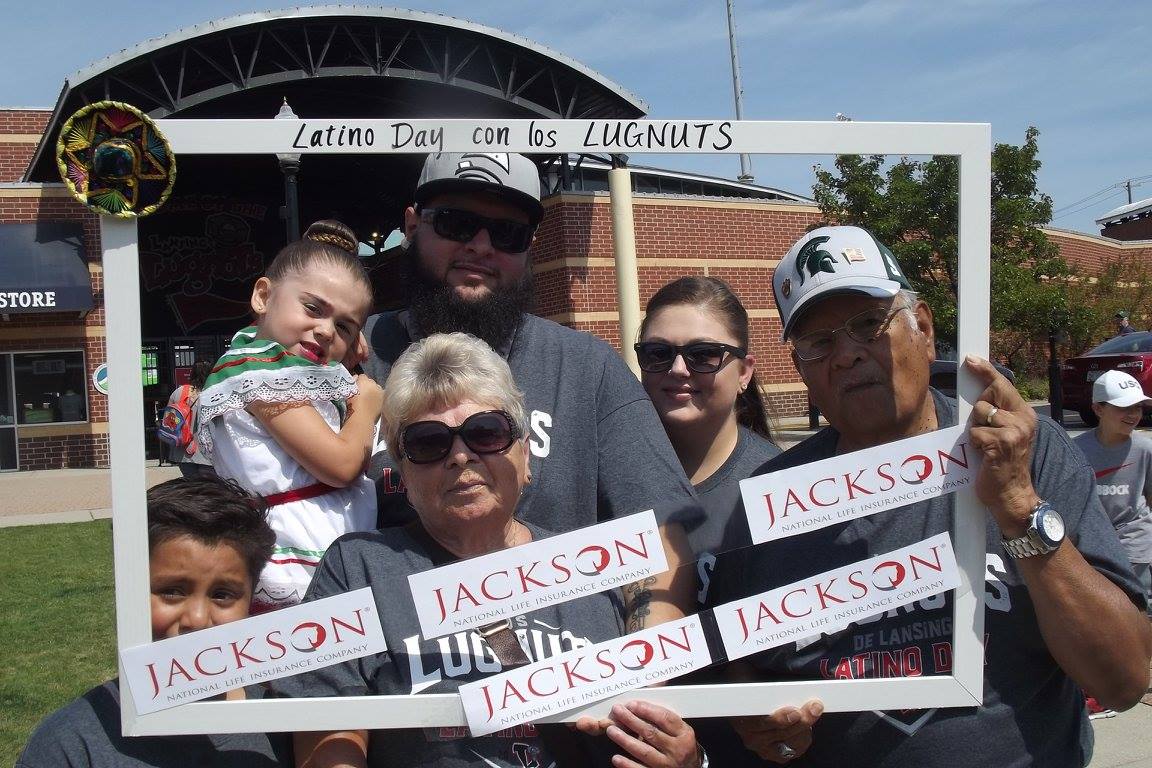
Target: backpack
point(174, 425)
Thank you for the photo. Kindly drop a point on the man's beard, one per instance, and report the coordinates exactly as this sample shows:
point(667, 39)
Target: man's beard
point(436, 308)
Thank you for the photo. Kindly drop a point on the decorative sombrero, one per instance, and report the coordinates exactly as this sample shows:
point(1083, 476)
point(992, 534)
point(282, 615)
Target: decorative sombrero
point(114, 160)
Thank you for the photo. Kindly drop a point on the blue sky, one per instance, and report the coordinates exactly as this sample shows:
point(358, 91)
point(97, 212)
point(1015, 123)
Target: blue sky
point(1080, 72)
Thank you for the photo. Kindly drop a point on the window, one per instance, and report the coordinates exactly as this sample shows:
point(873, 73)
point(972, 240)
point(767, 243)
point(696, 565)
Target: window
point(49, 387)
point(8, 459)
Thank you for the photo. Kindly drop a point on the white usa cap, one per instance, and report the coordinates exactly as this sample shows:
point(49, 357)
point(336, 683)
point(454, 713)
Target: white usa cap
point(834, 260)
point(1119, 389)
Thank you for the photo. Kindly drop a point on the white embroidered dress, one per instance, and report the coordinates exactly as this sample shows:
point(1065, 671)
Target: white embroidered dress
point(242, 449)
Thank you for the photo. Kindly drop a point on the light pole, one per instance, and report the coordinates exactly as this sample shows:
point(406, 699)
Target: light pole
point(745, 162)
point(290, 167)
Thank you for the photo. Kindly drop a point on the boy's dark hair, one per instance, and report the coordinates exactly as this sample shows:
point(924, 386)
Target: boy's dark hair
point(328, 241)
point(211, 511)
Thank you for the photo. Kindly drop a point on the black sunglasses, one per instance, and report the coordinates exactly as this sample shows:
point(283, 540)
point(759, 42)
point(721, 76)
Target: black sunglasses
point(425, 442)
point(461, 226)
point(699, 356)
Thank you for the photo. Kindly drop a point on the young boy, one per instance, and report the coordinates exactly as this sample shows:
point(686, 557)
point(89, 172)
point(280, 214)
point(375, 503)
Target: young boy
point(1122, 461)
point(207, 543)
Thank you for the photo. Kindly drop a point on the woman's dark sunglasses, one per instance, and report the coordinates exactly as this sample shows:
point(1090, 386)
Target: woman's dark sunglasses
point(700, 356)
point(425, 442)
point(461, 226)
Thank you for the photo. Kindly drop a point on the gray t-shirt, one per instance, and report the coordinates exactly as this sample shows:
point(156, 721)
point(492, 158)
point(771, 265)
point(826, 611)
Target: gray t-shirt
point(719, 495)
point(598, 450)
point(85, 733)
point(1123, 482)
point(383, 560)
point(1033, 714)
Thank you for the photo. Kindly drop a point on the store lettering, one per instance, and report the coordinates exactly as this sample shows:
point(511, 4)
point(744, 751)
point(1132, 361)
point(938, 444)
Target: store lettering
point(27, 299)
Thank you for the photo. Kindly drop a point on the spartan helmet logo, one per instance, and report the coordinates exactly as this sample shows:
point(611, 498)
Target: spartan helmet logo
point(814, 259)
point(476, 165)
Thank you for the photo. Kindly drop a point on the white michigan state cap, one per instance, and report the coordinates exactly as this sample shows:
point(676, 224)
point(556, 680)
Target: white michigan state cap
point(834, 260)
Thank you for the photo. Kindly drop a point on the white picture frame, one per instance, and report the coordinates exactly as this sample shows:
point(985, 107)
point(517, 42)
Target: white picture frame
point(971, 143)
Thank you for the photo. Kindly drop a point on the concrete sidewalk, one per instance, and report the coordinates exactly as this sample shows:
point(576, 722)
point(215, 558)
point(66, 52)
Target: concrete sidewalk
point(64, 495)
point(1125, 741)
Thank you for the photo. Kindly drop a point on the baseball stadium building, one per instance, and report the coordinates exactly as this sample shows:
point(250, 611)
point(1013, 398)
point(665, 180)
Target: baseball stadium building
point(228, 215)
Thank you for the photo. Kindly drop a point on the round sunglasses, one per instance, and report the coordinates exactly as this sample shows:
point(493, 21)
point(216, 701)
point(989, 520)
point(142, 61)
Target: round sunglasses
point(699, 356)
point(425, 442)
point(461, 226)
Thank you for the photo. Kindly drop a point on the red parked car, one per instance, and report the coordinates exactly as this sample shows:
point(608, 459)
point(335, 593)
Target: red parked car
point(1131, 353)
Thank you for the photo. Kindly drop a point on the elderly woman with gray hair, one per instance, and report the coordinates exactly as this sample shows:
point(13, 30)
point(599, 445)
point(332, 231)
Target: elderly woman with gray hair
point(455, 423)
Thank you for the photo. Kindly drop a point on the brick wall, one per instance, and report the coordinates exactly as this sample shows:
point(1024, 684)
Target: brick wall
point(737, 241)
point(17, 143)
point(1088, 254)
point(63, 452)
point(24, 120)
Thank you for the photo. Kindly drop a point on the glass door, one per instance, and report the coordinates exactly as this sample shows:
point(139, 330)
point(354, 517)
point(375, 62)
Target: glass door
point(9, 457)
point(156, 386)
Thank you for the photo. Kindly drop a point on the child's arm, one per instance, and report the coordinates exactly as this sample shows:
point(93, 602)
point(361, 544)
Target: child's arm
point(333, 458)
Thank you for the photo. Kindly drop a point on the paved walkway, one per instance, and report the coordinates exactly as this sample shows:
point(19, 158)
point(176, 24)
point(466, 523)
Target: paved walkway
point(1125, 741)
point(64, 495)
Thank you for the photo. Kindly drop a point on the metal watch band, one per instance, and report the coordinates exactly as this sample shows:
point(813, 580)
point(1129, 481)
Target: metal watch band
point(1024, 547)
point(1030, 544)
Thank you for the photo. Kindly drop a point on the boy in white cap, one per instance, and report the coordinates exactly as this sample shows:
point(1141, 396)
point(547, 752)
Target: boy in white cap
point(1122, 460)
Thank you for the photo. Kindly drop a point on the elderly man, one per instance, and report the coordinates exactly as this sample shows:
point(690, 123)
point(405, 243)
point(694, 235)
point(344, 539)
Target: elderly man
point(1064, 612)
point(597, 447)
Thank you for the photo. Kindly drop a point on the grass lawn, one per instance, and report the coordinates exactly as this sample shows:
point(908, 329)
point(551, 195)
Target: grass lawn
point(57, 622)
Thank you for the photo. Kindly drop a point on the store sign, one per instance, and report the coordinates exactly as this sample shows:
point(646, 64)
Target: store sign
point(27, 299)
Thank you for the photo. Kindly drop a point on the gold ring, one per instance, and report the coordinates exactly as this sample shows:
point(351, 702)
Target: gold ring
point(991, 413)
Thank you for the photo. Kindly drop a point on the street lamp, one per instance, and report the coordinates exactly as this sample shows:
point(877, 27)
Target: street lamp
point(290, 167)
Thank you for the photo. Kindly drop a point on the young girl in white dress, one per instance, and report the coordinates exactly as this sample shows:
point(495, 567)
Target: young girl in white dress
point(281, 414)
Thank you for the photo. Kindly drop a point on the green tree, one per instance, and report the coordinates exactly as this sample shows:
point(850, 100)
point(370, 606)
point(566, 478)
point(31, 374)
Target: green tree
point(1123, 284)
point(912, 207)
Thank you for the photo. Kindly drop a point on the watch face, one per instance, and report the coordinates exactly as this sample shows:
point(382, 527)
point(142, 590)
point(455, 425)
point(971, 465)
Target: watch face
point(1051, 526)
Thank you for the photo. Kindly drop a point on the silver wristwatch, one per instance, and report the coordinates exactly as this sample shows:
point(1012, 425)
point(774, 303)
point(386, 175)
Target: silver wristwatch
point(1044, 534)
